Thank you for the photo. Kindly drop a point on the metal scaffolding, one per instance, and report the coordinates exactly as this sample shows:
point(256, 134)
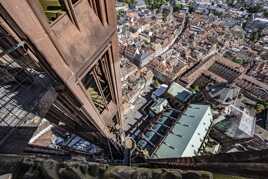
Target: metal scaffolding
point(25, 95)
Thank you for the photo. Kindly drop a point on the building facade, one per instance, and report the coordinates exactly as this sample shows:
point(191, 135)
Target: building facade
point(74, 42)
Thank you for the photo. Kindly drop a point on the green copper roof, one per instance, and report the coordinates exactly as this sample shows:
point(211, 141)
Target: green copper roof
point(176, 141)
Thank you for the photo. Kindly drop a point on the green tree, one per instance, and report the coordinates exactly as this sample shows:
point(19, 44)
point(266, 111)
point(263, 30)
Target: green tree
point(191, 7)
point(259, 108)
point(261, 105)
point(254, 9)
point(265, 103)
point(238, 61)
point(120, 13)
point(195, 88)
point(178, 7)
point(230, 2)
point(155, 4)
point(255, 36)
point(130, 2)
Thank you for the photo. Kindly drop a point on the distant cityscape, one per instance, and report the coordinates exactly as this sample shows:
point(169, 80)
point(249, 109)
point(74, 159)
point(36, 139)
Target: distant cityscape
point(194, 75)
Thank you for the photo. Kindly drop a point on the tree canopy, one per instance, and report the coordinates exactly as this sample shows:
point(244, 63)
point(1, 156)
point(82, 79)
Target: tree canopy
point(130, 2)
point(261, 106)
point(155, 4)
